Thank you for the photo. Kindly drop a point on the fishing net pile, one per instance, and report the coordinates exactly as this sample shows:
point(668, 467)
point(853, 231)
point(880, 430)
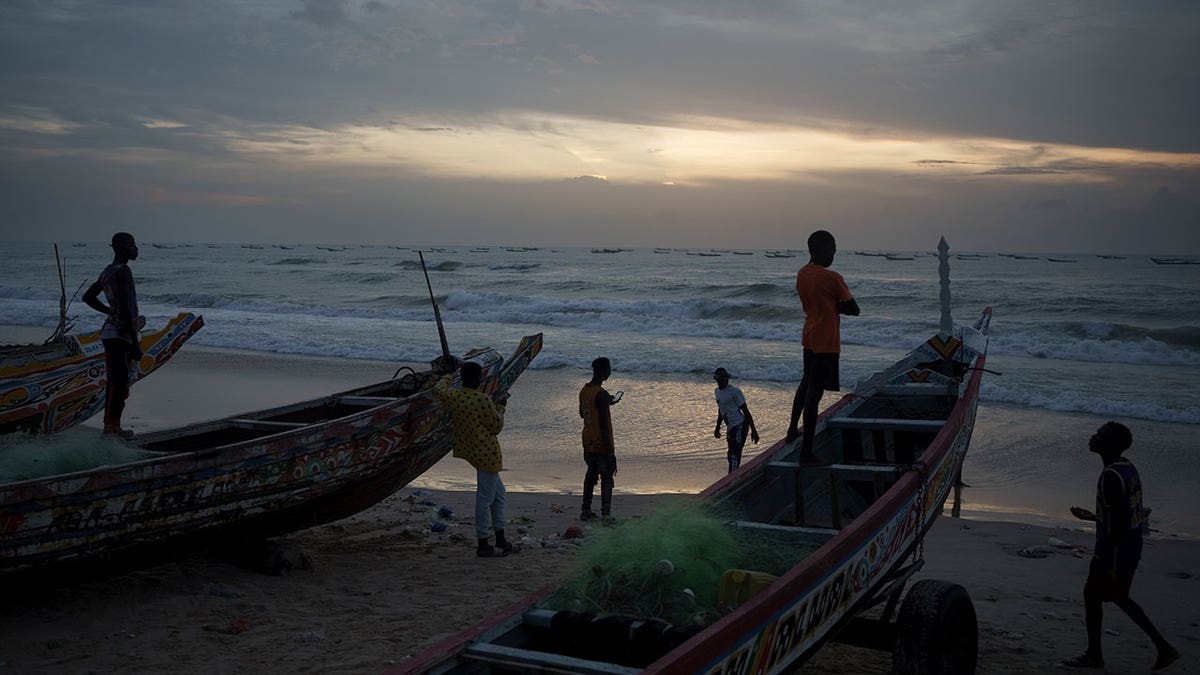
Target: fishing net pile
point(668, 565)
point(23, 457)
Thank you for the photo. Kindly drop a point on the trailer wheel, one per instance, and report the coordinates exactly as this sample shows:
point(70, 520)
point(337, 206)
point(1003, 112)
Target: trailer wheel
point(936, 631)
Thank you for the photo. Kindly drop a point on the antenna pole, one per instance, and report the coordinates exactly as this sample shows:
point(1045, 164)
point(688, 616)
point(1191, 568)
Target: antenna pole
point(62, 299)
point(437, 314)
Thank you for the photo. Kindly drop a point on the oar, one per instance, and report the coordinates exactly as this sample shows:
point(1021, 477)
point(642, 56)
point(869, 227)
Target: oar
point(62, 301)
point(437, 314)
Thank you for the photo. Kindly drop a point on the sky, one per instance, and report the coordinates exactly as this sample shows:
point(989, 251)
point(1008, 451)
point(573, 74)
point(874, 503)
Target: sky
point(1021, 125)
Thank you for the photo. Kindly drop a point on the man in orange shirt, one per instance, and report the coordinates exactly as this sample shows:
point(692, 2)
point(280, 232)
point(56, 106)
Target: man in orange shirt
point(599, 452)
point(825, 297)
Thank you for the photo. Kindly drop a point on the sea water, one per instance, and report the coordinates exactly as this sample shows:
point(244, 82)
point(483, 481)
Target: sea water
point(1074, 343)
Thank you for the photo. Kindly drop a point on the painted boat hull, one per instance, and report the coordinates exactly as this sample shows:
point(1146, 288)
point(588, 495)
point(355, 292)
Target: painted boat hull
point(788, 621)
point(237, 479)
point(45, 395)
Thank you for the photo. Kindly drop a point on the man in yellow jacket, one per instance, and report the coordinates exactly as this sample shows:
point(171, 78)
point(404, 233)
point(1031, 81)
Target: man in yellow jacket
point(475, 422)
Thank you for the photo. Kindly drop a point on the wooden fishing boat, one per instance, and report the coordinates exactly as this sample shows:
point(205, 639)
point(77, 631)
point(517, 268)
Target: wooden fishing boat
point(241, 478)
point(53, 386)
point(894, 449)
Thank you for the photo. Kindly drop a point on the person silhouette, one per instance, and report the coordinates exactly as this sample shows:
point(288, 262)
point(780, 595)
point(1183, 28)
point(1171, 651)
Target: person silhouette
point(733, 411)
point(1120, 522)
point(824, 296)
point(599, 453)
point(122, 345)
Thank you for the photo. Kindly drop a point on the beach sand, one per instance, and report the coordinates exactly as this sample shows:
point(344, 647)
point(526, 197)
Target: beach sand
point(384, 586)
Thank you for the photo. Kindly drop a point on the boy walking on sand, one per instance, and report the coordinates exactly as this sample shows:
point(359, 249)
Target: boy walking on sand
point(825, 297)
point(732, 409)
point(1120, 521)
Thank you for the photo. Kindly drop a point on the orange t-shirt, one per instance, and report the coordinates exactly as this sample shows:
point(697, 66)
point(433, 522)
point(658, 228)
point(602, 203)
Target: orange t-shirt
point(597, 423)
point(820, 290)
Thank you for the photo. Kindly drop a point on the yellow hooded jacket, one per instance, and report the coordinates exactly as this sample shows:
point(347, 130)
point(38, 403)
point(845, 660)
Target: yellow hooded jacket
point(475, 421)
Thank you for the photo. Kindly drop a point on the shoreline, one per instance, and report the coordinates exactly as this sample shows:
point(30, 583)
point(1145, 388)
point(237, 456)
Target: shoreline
point(1009, 482)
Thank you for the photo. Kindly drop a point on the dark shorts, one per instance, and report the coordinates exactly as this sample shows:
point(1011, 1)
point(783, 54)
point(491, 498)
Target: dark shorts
point(735, 439)
point(821, 370)
point(600, 462)
point(1107, 587)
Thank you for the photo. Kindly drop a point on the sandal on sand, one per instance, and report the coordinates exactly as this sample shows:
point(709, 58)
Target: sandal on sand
point(1166, 658)
point(1084, 661)
point(491, 552)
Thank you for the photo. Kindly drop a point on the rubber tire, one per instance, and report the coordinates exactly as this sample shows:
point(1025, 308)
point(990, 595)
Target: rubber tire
point(937, 633)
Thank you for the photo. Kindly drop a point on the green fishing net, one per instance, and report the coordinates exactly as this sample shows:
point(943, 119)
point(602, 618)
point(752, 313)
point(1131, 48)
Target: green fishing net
point(668, 564)
point(23, 457)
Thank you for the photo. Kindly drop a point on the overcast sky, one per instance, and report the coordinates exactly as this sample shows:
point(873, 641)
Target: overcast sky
point(1020, 125)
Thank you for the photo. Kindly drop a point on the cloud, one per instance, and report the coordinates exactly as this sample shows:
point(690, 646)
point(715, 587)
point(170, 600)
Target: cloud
point(164, 196)
point(939, 162)
point(325, 12)
point(163, 124)
point(1018, 171)
point(1015, 103)
point(1044, 204)
point(30, 120)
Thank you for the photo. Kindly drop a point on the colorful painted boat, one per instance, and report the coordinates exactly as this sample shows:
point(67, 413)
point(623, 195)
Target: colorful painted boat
point(241, 478)
point(894, 449)
point(47, 388)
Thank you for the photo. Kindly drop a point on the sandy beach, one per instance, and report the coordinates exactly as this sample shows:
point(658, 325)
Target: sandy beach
point(384, 586)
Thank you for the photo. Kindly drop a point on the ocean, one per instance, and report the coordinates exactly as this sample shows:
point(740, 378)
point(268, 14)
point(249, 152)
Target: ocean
point(1075, 343)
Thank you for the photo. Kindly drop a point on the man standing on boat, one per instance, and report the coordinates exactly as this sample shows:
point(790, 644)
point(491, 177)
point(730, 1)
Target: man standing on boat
point(122, 345)
point(1120, 522)
point(732, 409)
point(475, 421)
point(825, 297)
point(599, 452)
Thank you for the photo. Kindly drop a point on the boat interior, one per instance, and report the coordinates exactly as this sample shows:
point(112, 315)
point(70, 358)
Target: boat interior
point(17, 356)
point(251, 426)
point(862, 450)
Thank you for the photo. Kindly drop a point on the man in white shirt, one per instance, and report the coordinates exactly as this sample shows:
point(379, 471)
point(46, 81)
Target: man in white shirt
point(732, 409)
